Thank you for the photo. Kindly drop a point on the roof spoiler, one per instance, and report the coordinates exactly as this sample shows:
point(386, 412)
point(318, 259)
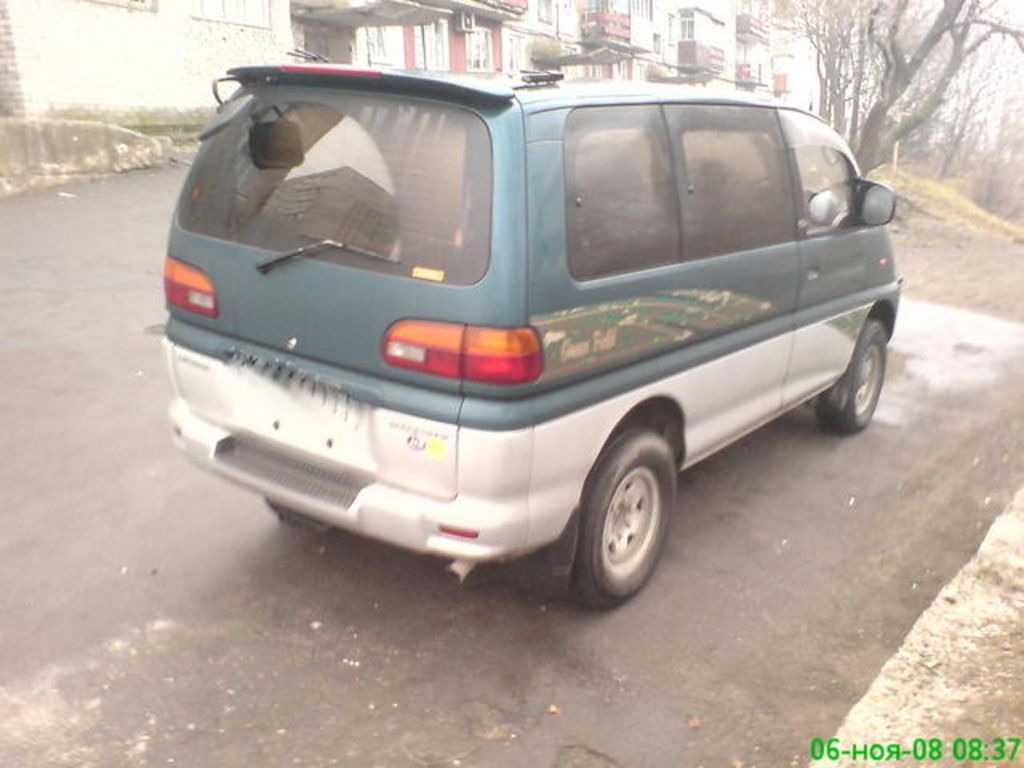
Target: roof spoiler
point(390, 81)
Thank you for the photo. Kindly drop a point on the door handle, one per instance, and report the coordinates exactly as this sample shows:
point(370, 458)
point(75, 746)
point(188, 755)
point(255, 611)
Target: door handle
point(813, 273)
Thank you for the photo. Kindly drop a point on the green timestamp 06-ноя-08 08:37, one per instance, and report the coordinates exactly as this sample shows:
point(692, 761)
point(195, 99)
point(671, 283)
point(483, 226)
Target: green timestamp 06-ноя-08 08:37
point(929, 750)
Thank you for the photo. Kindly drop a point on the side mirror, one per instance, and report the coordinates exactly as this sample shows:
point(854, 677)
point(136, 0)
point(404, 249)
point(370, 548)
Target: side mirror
point(877, 204)
point(277, 144)
point(824, 208)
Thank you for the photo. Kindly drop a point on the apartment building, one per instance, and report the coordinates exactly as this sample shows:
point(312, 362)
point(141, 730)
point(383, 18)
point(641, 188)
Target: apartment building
point(136, 62)
point(722, 44)
point(471, 36)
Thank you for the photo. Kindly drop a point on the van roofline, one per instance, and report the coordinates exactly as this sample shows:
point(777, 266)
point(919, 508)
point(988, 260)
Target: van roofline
point(490, 91)
point(464, 89)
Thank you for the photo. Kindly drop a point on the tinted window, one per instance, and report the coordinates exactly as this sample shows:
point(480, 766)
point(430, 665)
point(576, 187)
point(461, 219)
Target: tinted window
point(621, 208)
point(823, 165)
point(406, 181)
point(736, 188)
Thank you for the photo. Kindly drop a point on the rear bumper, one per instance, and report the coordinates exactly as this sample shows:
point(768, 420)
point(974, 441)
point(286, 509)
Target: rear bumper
point(492, 481)
point(357, 503)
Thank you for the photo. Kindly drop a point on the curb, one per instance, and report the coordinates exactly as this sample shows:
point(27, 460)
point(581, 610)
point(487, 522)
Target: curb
point(958, 678)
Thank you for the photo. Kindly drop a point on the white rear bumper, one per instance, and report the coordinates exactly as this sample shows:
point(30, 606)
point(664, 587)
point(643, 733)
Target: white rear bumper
point(492, 482)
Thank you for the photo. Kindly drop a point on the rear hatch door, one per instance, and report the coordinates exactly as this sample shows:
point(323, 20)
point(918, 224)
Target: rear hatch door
point(390, 195)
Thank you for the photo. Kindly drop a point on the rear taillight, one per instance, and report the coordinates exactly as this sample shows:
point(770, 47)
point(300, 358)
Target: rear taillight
point(455, 351)
point(501, 355)
point(188, 288)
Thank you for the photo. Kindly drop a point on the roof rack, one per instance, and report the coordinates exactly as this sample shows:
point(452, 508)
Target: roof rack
point(533, 78)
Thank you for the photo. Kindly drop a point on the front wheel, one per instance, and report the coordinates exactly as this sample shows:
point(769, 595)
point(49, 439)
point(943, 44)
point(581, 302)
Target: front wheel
point(848, 406)
point(625, 509)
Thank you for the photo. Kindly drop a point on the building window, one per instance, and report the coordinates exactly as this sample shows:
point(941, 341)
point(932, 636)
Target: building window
point(431, 44)
point(513, 53)
point(643, 9)
point(545, 11)
point(687, 26)
point(478, 51)
point(657, 43)
point(672, 29)
point(377, 45)
point(254, 13)
point(609, 6)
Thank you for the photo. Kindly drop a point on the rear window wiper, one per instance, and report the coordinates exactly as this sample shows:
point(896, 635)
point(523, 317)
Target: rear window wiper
point(268, 264)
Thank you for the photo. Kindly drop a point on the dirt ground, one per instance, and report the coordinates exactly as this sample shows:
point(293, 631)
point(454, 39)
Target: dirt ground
point(965, 269)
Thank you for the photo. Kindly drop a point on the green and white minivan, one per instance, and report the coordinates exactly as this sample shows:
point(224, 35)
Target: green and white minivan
point(480, 321)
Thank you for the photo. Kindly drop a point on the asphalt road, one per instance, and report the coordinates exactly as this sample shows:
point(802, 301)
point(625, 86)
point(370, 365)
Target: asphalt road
point(152, 615)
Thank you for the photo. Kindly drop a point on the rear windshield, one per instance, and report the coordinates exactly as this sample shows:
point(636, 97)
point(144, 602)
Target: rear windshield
point(404, 185)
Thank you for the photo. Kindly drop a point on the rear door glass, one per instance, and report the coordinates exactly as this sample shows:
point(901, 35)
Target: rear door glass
point(405, 184)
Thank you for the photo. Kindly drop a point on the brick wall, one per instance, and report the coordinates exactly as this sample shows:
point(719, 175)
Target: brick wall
point(77, 57)
point(10, 87)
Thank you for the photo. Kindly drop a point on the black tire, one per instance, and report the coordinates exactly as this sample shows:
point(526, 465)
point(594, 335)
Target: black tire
point(848, 405)
point(621, 539)
point(294, 519)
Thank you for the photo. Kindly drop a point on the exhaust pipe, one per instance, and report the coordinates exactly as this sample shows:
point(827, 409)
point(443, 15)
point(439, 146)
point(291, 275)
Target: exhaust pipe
point(461, 568)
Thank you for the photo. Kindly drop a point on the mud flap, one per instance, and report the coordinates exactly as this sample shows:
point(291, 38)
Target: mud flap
point(548, 570)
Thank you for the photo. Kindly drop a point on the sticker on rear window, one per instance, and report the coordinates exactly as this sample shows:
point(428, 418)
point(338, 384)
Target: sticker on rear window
point(424, 273)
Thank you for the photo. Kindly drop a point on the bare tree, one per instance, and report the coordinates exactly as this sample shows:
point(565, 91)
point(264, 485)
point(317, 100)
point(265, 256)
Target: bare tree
point(960, 118)
point(998, 173)
point(831, 27)
point(886, 66)
point(920, 48)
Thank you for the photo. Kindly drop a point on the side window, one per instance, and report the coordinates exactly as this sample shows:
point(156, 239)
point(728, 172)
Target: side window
point(824, 167)
point(621, 208)
point(736, 190)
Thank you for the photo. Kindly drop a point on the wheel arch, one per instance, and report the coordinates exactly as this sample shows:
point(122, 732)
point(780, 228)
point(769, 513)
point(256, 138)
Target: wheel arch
point(660, 414)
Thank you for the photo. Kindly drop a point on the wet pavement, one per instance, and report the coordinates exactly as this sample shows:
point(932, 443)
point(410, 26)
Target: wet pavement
point(152, 615)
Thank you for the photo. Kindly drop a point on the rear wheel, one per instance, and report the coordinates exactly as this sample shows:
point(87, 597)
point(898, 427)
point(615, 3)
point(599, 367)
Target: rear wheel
point(625, 510)
point(848, 406)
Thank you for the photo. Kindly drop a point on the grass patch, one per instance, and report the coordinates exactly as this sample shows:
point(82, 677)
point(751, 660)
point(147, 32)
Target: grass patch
point(943, 201)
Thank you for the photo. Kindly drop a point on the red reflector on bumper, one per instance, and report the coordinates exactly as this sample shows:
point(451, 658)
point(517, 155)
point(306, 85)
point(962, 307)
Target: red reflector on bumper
point(462, 533)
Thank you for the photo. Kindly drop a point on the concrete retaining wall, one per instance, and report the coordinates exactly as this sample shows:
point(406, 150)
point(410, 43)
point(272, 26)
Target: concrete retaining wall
point(37, 153)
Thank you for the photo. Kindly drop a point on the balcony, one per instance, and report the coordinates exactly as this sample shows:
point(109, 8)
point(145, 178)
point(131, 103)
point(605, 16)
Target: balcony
point(746, 77)
point(605, 25)
point(751, 29)
point(697, 58)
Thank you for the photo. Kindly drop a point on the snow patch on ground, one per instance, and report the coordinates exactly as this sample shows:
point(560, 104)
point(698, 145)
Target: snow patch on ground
point(41, 726)
point(944, 350)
